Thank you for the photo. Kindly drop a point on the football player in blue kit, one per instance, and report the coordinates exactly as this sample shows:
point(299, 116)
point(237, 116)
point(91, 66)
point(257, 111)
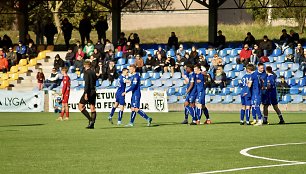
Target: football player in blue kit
point(246, 95)
point(120, 100)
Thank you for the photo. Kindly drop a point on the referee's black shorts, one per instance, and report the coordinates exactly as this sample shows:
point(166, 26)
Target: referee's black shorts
point(91, 98)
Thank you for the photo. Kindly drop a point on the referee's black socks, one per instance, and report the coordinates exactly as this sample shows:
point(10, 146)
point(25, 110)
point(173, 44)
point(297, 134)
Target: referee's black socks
point(86, 114)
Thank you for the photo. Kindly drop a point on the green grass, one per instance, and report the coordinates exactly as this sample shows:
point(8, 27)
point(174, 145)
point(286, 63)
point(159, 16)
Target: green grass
point(36, 143)
point(185, 34)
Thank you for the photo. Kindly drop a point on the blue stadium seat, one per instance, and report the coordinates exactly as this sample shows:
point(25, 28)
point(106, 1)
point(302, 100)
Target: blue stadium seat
point(170, 91)
point(240, 75)
point(236, 91)
point(276, 52)
point(171, 52)
point(74, 83)
point(211, 53)
point(168, 83)
point(297, 99)
point(277, 73)
point(147, 83)
point(216, 99)
point(285, 99)
point(274, 67)
point(230, 75)
point(234, 83)
point(181, 99)
point(202, 51)
point(280, 59)
point(71, 69)
point(228, 99)
point(145, 76)
point(172, 99)
point(287, 74)
point(294, 90)
point(98, 83)
point(156, 75)
point(288, 51)
point(302, 82)
point(150, 51)
point(114, 84)
point(178, 83)
point(207, 99)
point(73, 76)
point(284, 67)
point(181, 91)
point(177, 75)
point(295, 67)
point(271, 59)
point(120, 61)
point(291, 82)
point(234, 53)
point(238, 67)
point(228, 68)
point(131, 61)
point(105, 84)
point(303, 92)
point(222, 53)
point(225, 91)
point(226, 60)
point(157, 83)
point(298, 74)
point(118, 54)
point(119, 68)
point(165, 76)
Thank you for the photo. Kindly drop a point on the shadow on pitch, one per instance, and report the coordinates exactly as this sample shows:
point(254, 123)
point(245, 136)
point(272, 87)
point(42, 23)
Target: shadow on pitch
point(144, 125)
point(22, 125)
point(291, 123)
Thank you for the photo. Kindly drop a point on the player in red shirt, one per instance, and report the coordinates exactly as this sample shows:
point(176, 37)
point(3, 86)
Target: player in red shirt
point(65, 94)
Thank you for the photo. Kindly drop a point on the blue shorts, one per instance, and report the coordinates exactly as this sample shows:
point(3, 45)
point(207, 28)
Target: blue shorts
point(201, 98)
point(135, 101)
point(246, 100)
point(120, 99)
point(190, 98)
point(270, 98)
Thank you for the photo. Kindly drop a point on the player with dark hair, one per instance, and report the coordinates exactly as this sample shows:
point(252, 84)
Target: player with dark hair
point(89, 95)
point(65, 94)
point(136, 95)
point(190, 96)
point(246, 95)
point(271, 96)
point(120, 100)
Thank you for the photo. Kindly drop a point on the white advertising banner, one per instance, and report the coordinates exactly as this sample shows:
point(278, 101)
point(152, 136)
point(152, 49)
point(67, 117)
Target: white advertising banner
point(21, 101)
point(151, 101)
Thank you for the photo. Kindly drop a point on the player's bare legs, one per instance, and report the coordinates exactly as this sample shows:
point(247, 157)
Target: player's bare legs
point(279, 113)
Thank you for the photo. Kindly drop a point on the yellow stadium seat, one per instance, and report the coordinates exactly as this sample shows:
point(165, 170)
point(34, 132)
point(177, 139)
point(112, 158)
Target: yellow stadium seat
point(50, 47)
point(14, 77)
point(41, 48)
point(32, 62)
point(23, 69)
point(22, 62)
point(13, 70)
point(4, 84)
point(5, 76)
point(41, 55)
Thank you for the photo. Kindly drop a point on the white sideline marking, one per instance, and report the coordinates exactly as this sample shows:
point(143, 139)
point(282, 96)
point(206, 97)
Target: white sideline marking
point(245, 153)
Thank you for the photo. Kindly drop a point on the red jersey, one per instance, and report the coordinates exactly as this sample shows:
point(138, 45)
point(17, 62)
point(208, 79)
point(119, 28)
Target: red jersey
point(66, 85)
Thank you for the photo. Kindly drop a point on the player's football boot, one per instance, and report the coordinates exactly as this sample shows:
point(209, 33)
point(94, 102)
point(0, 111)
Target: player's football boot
point(281, 122)
point(253, 122)
point(259, 123)
point(265, 122)
point(241, 122)
point(110, 119)
point(248, 123)
point(149, 122)
point(198, 122)
point(129, 125)
point(185, 122)
point(208, 122)
point(66, 118)
point(91, 125)
point(59, 119)
point(119, 123)
point(193, 123)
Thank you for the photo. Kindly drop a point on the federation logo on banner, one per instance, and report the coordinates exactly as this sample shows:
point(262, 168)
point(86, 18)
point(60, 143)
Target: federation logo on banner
point(159, 100)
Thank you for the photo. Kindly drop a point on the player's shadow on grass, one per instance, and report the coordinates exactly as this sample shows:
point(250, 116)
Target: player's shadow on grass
point(229, 122)
point(293, 123)
point(9, 130)
point(22, 125)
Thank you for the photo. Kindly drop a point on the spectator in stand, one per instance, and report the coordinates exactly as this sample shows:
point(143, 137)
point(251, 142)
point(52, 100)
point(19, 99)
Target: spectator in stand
point(137, 50)
point(11, 57)
point(70, 57)
point(100, 47)
point(194, 54)
point(79, 63)
point(100, 71)
point(134, 40)
point(203, 63)
point(2, 52)
point(161, 51)
point(101, 27)
point(129, 50)
point(180, 63)
point(32, 51)
point(97, 55)
point(150, 63)
point(266, 46)
point(294, 39)
point(173, 41)
point(3, 64)
point(208, 79)
point(282, 87)
point(93, 62)
point(216, 62)
point(67, 31)
point(169, 65)
point(110, 56)
point(245, 54)
point(139, 63)
point(108, 46)
point(289, 58)
point(256, 54)
point(250, 39)
point(50, 31)
point(21, 51)
point(122, 41)
point(219, 79)
point(53, 80)
point(6, 42)
point(159, 63)
point(85, 29)
point(284, 38)
point(80, 53)
point(189, 60)
point(303, 65)
point(77, 47)
point(299, 53)
point(28, 39)
point(181, 50)
point(58, 62)
point(88, 49)
point(40, 79)
point(39, 27)
point(220, 41)
point(111, 72)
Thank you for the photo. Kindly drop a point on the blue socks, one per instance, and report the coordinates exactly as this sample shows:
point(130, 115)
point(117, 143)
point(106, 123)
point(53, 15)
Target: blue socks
point(254, 113)
point(143, 114)
point(242, 113)
point(133, 115)
point(120, 115)
point(186, 113)
point(206, 113)
point(112, 112)
point(258, 112)
point(247, 115)
point(199, 113)
point(191, 111)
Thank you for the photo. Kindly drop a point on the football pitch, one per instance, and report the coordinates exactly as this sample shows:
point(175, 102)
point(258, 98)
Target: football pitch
point(36, 143)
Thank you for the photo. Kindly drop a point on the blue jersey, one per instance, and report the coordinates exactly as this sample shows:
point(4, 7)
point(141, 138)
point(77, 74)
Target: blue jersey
point(263, 78)
point(271, 93)
point(257, 84)
point(135, 85)
point(191, 79)
point(199, 85)
point(271, 82)
point(121, 85)
point(244, 85)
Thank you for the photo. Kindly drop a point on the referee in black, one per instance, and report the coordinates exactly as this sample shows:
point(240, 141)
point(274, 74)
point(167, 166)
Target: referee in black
point(89, 95)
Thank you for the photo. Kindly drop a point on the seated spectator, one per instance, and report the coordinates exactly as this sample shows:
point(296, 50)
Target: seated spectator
point(266, 46)
point(219, 79)
point(161, 51)
point(80, 53)
point(180, 63)
point(21, 51)
point(128, 50)
point(220, 41)
point(169, 65)
point(294, 39)
point(159, 63)
point(32, 51)
point(111, 72)
point(93, 62)
point(289, 58)
point(134, 39)
point(299, 53)
point(194, 54)
point(303, 65)
point(208, 79)
point(110, 56)
point(138, 51)
point(173, 41)
point(283, 87)
point(11, 57)
point(53, 80)
point(245, 54)
point(2, 52)
point(181, 50)
point(58, 62)
point(189, 60)
point(150, 63)
point(97, 55)
point(77, 47)
point(249, 40)
point(256, 54)
point(108, 46)
point(216, 62)
point(100, 71)
point(3, 64)
point(139, 63)
point(203, 62)
point(70, 57)
point(88, 49)
point(283, 39)
point(79, 63)
point(100, 47)
point(121, 41)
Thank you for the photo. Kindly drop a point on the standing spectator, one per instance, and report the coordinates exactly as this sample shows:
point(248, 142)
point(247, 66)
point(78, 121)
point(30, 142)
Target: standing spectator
point(88, 49)
point(80, 53)
point(6, 42)
point(137, 50)
point(50, 31)
point(79, 63)
point(266, 46)
point(21, 51)
point(52, 81)
point(32, 51)
point(180, 63)
point(67, 31)
point(169, 65)
point(220, 41)
point(134, 40)
point(245, 54)
point(77, 47)
point(40, 79)
point(3, 64)
point(139, 63)
point(70, 56)
point(100, 71)
point(58, 62)
point(108, 46)
point(85, 29)
point(250, 39)
point(11, 57)
point(194, 54)
point(161, 51)
point(299, 53)
point(256, 54)
point(111, 72)
point(219, 78)
point(159, 63)
point(39, 31)
point(283, 87)
point(150, 63)
point(173, 41)
point(181, 50)
point(101, 27)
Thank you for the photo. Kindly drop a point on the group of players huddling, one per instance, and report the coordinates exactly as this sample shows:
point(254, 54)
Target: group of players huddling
point(258, 87)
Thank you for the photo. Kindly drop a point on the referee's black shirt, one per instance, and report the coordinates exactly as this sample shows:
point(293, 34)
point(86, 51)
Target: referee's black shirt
point(90, 81)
